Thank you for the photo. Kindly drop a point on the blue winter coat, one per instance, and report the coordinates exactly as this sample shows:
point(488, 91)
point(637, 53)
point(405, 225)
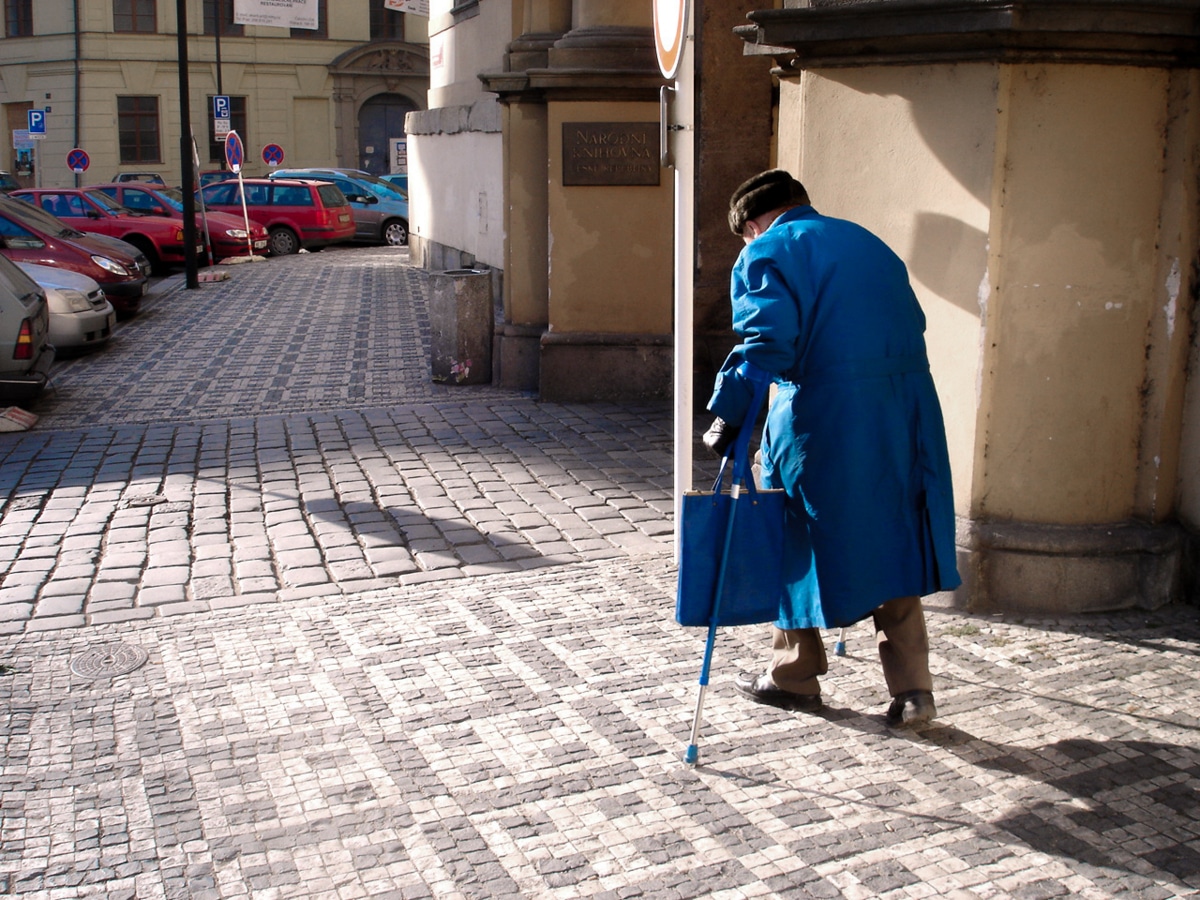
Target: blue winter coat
point(855, 433)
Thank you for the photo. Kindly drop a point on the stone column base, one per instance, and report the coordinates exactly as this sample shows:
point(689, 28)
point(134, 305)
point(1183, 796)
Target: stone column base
point(517, 349)
point(1049, 569)
point(582, 367)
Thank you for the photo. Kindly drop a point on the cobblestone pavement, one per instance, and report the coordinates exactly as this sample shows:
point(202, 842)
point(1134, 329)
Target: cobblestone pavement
point(510, 726)
point(133, 499)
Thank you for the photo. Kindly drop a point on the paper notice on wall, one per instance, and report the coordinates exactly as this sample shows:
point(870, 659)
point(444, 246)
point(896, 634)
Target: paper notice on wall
point(278, 13)
point(416, 7)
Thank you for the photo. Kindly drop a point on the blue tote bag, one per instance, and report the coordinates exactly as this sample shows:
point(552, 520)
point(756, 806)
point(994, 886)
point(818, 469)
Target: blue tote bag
point(731, 547)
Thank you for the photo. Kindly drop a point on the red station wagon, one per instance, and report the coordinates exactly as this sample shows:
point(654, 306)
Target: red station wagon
point(308, 214)
point(227, 233)
point(90, 210)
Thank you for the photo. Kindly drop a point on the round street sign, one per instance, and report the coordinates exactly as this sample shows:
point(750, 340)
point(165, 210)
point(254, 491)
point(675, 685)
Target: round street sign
point(670, 29)
point(272, 154)
point(235, 153)
point(78, 161)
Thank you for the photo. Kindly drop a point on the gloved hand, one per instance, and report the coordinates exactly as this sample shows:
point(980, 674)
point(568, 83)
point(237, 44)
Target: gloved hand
point(719, 437)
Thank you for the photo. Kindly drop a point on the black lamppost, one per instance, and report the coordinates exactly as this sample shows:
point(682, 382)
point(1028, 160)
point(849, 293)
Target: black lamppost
point(187, 179)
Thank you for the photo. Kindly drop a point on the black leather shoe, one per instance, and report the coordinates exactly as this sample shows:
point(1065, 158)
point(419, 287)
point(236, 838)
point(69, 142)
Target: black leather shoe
point(761, 689)
point(912, 709)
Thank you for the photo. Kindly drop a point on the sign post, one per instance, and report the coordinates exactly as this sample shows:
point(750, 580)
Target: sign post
point(36, 119)
point(78, 161)
point(235, 155)
point(221, 116)
point(675, 49)
point(272, 155)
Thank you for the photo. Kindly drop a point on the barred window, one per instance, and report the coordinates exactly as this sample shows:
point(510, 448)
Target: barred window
point(222, 10)
point(137, 16)
point(386, 24)
point(137, 129)
point(18, 18)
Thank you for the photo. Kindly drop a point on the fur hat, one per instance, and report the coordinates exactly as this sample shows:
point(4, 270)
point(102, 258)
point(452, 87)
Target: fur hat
point(764, 192)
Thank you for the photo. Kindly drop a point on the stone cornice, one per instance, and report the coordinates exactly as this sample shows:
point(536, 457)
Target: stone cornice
point(829, 33)
point(539, 85)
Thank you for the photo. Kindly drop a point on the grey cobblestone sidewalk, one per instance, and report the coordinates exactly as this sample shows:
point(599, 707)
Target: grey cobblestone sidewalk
point(279, 618)
point(166, 509)
point(519, 735)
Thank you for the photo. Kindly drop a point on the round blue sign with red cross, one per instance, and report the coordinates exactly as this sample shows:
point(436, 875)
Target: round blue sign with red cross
point(78, 161)
point(235, 153)
point(272, 154)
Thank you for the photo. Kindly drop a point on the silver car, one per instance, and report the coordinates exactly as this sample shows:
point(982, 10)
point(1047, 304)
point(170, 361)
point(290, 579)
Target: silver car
point(80, 315)
point(26, 353)
point(380, 209)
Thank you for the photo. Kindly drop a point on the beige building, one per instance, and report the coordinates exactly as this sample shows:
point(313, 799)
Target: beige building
point(106, 72)
point(1034, 163)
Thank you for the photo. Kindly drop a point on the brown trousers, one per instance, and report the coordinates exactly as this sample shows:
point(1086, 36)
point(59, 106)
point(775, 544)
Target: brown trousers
point(798, 655)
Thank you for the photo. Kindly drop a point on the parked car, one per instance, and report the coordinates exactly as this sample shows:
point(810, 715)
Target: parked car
point(81, 318)
point(207, 178)
point(399, 179)
point(26, 353)
point(91, 210)
point(31, 235)
point(8, 183)
point(308, 214)
point(227, 232)
point(380, 209)
point(144, 177)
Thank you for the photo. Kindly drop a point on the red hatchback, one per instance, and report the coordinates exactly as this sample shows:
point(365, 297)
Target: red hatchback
point(308, 214)
point(227, 233)
point(90, 210)
point(29, 235)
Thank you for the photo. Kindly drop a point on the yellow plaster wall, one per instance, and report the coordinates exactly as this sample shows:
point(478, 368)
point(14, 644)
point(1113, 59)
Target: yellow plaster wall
point(1077, 199)
point(907, 152)
point(610, 247)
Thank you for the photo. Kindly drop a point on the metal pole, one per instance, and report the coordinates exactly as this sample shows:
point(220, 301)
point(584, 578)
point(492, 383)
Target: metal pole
point(217, 39)
point(187, 181)
point(681, 135)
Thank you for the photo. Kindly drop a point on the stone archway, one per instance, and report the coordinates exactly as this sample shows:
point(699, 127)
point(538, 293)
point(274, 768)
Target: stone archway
point(380, 121)
point(375, 85)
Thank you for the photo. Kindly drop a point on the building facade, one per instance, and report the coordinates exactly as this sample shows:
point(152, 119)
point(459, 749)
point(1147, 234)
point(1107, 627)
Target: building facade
point(106, 72)
point(1034, 163)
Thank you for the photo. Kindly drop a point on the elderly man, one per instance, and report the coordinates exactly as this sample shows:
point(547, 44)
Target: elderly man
point(854, 437)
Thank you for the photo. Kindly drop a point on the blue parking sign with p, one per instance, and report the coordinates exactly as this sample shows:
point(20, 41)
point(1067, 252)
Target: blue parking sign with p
point(221, 107)
point(37, 121)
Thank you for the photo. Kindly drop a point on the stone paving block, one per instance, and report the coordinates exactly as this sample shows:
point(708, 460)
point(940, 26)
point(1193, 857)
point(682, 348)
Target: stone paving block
point(505, 727)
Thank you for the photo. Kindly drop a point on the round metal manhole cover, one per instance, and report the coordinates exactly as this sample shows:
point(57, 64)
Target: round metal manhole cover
point(109, 661)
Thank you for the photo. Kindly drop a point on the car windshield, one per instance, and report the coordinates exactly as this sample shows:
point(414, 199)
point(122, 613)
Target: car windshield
point(105, 202)
point(32, 215)
point(173, 197)
point(383, 187)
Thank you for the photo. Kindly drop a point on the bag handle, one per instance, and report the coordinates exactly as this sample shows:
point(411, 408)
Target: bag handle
point(739, 450)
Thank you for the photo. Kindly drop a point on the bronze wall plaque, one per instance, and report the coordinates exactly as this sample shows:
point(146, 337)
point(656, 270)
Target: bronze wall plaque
point(610, 153)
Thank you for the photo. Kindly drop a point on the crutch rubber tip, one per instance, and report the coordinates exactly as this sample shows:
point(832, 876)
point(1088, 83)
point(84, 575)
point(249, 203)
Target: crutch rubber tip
point(839, 649)
point(691, 755)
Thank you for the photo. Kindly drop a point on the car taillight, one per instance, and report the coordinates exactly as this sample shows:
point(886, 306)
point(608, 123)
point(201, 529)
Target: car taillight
point(24, 348)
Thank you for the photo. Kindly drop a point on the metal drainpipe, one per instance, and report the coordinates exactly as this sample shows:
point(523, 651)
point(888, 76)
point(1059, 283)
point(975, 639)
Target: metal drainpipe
point(78, 76)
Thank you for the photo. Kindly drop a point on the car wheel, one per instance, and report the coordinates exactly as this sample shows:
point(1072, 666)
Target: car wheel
point(147, 247)
point(395, 232)
point(282, 241)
